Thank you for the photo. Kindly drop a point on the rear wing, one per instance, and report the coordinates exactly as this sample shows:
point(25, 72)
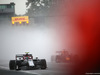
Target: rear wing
point(63, 52)
point(58, 51)
point(21, 55)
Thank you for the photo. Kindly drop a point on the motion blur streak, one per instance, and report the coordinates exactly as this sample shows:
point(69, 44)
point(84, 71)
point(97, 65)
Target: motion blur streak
point(82, 28)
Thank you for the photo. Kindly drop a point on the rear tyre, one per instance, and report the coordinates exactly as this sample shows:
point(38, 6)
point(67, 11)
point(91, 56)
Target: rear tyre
point(12, 65)
point(43, 64)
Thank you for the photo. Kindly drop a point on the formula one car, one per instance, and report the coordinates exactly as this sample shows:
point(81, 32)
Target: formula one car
point(26, 61)
point(63, 56)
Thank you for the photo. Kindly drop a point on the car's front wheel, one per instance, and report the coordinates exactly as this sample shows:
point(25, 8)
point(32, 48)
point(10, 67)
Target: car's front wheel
point(12, 65)
point(43, 64)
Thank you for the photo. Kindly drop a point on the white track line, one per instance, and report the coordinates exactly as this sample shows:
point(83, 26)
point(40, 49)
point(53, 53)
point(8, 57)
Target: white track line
point(30, 72)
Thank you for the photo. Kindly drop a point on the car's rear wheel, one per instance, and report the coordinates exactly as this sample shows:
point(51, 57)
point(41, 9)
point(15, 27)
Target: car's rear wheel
point(12, 65)
point(43, 64)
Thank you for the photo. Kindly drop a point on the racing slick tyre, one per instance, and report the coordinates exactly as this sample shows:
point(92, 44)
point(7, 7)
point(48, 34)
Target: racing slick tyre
point(43, 64)
point(58, 59)
point(12, 65)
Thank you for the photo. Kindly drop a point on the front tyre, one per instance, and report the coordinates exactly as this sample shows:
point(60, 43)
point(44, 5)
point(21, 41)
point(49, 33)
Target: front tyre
point(12, 65)
point(43, 64)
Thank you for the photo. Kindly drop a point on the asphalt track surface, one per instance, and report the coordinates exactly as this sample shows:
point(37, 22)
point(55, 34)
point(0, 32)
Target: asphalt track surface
point(53, 69)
